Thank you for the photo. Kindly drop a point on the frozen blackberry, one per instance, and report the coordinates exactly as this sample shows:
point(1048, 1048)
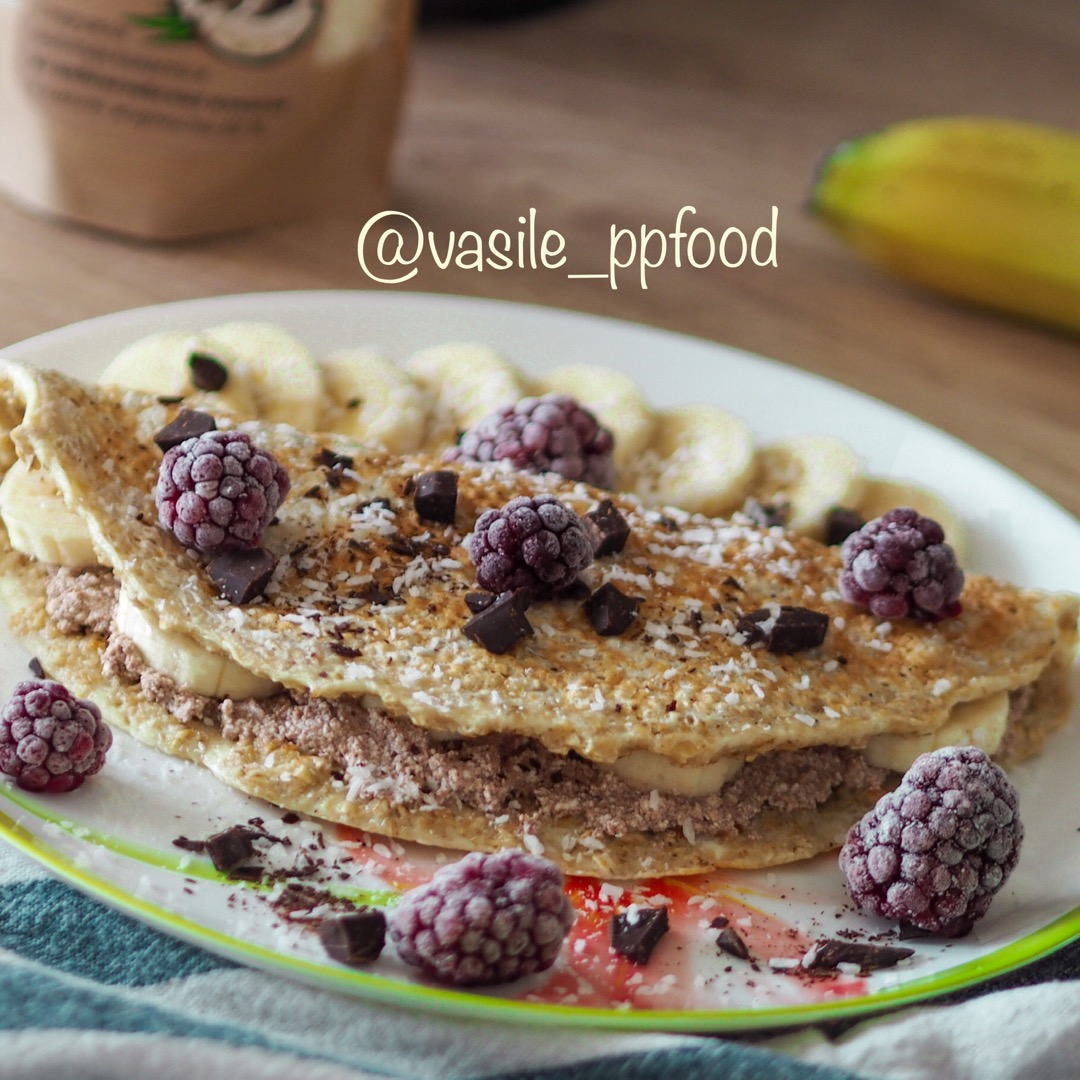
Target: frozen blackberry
point(934, 852)
point(535, 543)
point(899, 564)
point(218, 492)
point(552, 433)
point(485, 919)
point(51, 740)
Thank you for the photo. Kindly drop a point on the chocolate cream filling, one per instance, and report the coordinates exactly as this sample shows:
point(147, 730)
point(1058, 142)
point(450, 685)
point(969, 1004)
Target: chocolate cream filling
point(507, 777)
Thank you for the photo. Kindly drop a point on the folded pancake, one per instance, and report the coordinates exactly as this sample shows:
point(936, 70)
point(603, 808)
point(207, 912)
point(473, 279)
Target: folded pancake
point(675, 747)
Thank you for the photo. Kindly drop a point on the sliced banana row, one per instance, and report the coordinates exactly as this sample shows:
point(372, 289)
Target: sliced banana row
point(698, 457)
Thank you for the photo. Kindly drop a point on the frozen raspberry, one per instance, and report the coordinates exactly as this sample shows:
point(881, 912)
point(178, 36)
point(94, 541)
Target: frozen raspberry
point(218, 492)
point(552, 433)
point(933, 853)
point(485, 919)
point(899, 564)
point(535, 543)
point(49, 739)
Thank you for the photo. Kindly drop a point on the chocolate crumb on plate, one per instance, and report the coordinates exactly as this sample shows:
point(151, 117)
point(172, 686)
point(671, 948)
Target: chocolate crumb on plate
point(356, 938)
point(240, 576)
point(606, 528)
point(207, 371)
point(435, 496)
point(791, 630)
point(187, 424)
point(827, 955)
point(610, 610)
point(637, 931)
point(502, 624)
point(729, 941)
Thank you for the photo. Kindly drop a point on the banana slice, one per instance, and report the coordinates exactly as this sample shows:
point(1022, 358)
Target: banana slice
point(700, 458)
point(972, 723)
point(184, 660)
point(39, 523)
point(881, 494)
point(466, 381)
point(373, 401)
point(613, 397)
point(284, 375)
point(811, 474)
point(160, 364)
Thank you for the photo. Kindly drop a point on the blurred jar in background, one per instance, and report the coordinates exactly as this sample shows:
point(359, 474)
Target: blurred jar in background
point(171, 119)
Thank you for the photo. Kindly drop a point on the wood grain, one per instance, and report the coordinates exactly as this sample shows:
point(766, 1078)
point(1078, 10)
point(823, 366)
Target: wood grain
point(619, 112)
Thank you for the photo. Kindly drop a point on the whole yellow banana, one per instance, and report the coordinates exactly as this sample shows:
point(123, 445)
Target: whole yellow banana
point(982, 209)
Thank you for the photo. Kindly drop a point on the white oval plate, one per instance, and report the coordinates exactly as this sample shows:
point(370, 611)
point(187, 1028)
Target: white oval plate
point(113, 837)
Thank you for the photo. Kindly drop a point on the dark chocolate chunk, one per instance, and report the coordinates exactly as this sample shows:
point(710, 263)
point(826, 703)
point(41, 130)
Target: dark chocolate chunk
point(36, 669)
point(478, 601)
point(635, 933)
point(729, 941)
point(792, 628)
point(840, 523)
point(207, 371)
point(187, 424)
point(610, 610)
point(827, 955)
point(231, 847)
point(502, 624)
point(240, 576)
point(767, 514)
point(435, 496)
point(329, 460)
point(356, 938)
point(576, 591)
point(607, 529)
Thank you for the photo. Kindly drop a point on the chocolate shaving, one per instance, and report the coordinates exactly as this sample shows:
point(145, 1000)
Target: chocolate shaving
point(207, 372)
point(502, 624)
point(346, 651)
point(611, 611)
point(329, 460)
point(793, 628)
point(435, 496)
point(767, 515)
point(354, 939)
point(827, 955)
point(187, 424)
point(240, 576)
point(729, 941)
point(634, 934)
point(606, 528)
point(36, 669)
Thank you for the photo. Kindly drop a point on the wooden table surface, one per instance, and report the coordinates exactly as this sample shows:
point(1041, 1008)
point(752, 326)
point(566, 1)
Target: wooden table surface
point(620, 112)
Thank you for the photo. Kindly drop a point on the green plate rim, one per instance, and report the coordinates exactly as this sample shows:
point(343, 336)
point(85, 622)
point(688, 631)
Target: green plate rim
point(384, 990)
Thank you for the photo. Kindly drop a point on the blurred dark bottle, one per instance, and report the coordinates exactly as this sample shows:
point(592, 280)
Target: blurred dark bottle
point(477, 10)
